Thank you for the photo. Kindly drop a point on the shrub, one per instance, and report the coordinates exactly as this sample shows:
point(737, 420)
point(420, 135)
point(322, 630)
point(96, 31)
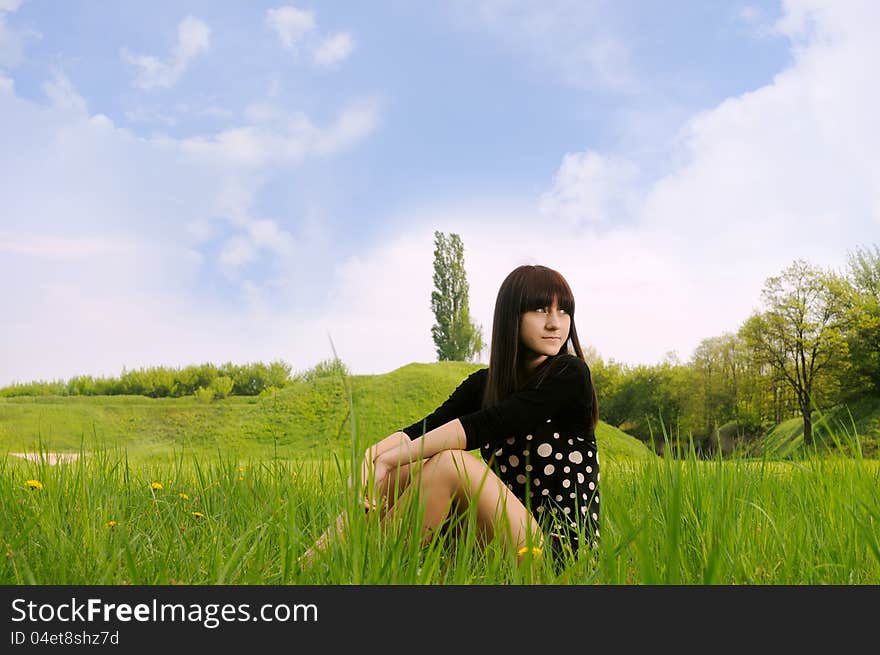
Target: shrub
point(221, 386)
point(204, 395)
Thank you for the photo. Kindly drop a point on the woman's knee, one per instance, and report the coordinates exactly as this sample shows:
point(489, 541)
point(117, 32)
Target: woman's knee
point(446, 467)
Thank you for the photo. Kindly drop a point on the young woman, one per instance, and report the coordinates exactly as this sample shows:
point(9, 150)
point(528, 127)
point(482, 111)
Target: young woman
point(532, 416)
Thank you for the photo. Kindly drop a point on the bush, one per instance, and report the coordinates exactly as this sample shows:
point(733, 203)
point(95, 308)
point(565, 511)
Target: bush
point(327, 368)
point(221, 386)
point(204, 395)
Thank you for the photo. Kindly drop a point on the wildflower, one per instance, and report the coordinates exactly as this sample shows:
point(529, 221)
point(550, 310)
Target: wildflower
point(183, 496)
point(534, 551)
point(198, 515)
point(156, 486)
point(112, 524)
point(240, 477)
point(34, 484)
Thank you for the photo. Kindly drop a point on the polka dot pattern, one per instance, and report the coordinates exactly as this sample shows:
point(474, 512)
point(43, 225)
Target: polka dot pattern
point(558, 472)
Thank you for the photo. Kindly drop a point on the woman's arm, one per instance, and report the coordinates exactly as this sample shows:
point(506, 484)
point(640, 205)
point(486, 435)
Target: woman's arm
point(372, 452)
point(449, 436)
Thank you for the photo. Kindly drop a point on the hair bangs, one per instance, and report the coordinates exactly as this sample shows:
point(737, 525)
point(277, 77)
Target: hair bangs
point(542, 287)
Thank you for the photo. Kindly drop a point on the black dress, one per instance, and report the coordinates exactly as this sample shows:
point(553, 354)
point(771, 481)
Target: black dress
point(540, 441)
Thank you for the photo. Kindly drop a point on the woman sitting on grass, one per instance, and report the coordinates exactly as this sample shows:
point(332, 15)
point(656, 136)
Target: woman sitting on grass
point(532, 414)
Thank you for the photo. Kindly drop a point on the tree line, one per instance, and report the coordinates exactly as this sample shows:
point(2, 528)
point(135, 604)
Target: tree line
point(815, 343)
point(204, 381)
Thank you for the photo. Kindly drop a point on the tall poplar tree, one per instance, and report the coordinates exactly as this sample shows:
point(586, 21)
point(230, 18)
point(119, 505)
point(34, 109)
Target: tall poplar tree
point(455, 337)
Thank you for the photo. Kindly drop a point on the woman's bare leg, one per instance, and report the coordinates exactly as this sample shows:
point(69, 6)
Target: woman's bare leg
point(455, 476)
point(393, 488)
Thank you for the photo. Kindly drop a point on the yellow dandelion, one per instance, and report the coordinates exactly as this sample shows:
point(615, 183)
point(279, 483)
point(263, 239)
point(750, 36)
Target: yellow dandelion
point(156, 486)
point(241, 468)
point(183, 496)
point(112, 524)
point(240, 477)
point(34, 484)
point(534, 551)
point(198, 515)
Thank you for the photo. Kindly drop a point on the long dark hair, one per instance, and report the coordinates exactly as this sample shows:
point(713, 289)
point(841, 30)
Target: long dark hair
point(525, 288)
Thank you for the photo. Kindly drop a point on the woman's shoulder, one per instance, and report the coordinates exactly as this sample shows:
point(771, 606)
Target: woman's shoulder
point(477, 377)
point(571, 364)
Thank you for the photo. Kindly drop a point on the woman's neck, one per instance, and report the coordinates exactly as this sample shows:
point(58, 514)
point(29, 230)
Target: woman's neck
point(531, 362)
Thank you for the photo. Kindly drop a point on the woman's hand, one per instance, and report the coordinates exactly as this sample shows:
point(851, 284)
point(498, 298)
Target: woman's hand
point(386, 463)
point(375, 492)
point(379, 474)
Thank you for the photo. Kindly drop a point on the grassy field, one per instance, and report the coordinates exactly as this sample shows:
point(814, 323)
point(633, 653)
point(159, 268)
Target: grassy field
point(172, 491)
point(103, 520)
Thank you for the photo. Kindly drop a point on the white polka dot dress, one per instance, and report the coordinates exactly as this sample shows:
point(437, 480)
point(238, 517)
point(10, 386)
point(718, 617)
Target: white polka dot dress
point(555, 473)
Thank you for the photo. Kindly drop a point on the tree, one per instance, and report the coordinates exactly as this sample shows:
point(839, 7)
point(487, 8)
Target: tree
point(801, 332)
point(455, 337)
point(864, 337)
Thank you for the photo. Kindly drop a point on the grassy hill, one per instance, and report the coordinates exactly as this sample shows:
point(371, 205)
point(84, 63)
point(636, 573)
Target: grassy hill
point(854, 426)
point(306, 421)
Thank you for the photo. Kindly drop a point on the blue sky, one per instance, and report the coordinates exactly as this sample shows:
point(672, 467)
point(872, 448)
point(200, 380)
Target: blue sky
point(198, 181)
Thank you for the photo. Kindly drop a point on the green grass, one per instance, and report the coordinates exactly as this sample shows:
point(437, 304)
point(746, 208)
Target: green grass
point(853, 427)
point(267, 475)
point(664, 521)
point(305, 421)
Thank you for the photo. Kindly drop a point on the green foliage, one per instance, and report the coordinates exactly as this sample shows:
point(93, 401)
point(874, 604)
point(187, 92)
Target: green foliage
point(801, 333)
point(162, 382)
point(204, 395)
point(328, 368)
point(636, 398)
point(863, 339)
point(455, 337)
point(221, 386)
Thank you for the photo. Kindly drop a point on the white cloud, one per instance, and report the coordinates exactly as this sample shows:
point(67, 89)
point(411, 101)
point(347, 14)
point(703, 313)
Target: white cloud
point(291, 24)
point(297, 30)
point(334, 49)
point(125, 249)
point(592, 189)
point(63, 96)
point(573, 40)
point(193, 39)
point(10, 5)
point(150, 115)
point(277, 136)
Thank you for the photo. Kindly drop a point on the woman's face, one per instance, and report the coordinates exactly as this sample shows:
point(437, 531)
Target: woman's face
point(543, 330)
